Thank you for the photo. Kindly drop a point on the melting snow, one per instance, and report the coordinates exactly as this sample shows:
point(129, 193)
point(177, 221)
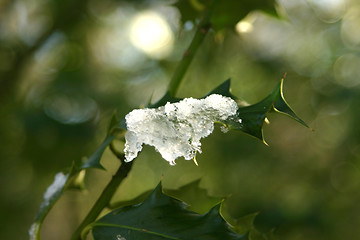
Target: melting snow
point(57, 185)
point(51, 191)
point(33, 230)
point(175, 129)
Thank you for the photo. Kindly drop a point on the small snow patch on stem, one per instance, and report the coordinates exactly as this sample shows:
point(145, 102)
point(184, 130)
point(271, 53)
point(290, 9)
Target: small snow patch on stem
point(55, 187)
point(33, 230)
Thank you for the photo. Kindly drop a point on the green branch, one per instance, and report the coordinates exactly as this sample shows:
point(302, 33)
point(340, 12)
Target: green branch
point(104, 198)
point(188, 56)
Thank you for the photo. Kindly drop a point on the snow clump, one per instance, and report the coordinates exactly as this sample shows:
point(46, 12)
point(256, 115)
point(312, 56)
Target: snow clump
point(175, 129)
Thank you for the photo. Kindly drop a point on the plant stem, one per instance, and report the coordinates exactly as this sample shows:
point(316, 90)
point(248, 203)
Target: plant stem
point(202, 30)
point(104, 198)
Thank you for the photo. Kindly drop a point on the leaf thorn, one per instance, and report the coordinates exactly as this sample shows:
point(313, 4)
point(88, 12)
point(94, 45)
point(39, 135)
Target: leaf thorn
point(194, 159)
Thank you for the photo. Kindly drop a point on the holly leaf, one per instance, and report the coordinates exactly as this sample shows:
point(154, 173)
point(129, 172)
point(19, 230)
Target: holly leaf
point(165, 99)
point(162, 217)
point(256, 235)
point(245, 224)
point(227, 13)
point(94, 160)
point(134, 201)
point(223, 89)
point(197, 198)
point(61, 182)
point(115, 126)
point(250, 119)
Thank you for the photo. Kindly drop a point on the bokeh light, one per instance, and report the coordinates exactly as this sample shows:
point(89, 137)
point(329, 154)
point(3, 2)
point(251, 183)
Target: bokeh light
point(350, 27)
point(150, 33)
point(347, 70)
point(68, 109)
point(329, 11)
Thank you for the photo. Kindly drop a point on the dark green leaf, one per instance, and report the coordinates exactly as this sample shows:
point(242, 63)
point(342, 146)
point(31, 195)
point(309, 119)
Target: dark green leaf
point(134, 201)
point(250, 119)
point(280, 105)
point(256, 235)
point(190, 9)
point(114, 122)
point(76, 181)
point(115, 126)
point(227, 13)
point(50, 197)
point(165, 99)
point(162, 217)
point(245, 224)
point(197, 198)
point(223, 89)
point(94, 160)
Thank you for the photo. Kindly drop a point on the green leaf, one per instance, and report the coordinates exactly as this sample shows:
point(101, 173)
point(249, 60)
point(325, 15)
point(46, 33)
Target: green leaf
point(114, 122)
point(61, 182)
point(198, 199)
point(94, 160)
point(76, 182)
point(114, 128)
point(162, 217)
point(256, 235)
point(227, 13)
point(280, 105)
point(250, 119)
point(245, 224)
point(165, 99)
point(223, 89)
point(133, 201)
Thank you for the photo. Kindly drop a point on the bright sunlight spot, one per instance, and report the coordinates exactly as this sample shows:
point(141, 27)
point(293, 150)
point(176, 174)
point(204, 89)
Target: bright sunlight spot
point(150, 33)
point(244, 27)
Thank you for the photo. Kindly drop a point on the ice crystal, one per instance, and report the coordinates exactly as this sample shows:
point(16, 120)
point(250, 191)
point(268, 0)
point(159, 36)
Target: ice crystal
point(175, 130)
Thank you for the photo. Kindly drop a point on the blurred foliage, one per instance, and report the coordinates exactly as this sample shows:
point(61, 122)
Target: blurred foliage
point(227, 13)
point(66, 65)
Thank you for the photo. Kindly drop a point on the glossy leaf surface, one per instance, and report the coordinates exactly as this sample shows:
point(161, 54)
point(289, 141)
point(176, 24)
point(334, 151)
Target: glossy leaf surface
point(197, 197)
point(250, 119)
point(94, 160)
point(162, 217)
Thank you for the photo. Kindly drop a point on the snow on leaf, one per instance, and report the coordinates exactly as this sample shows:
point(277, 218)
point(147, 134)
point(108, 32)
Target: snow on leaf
point(55, 188)
point(51, 195)
point(175, 130)
point(34, 231)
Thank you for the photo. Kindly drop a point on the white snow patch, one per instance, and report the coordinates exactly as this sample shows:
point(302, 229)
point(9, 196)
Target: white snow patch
point(224, 129)
point(57, 185)
point(33, 231)
point(175, 129)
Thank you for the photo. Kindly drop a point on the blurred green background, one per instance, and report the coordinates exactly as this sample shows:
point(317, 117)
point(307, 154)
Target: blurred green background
point(65, 66)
